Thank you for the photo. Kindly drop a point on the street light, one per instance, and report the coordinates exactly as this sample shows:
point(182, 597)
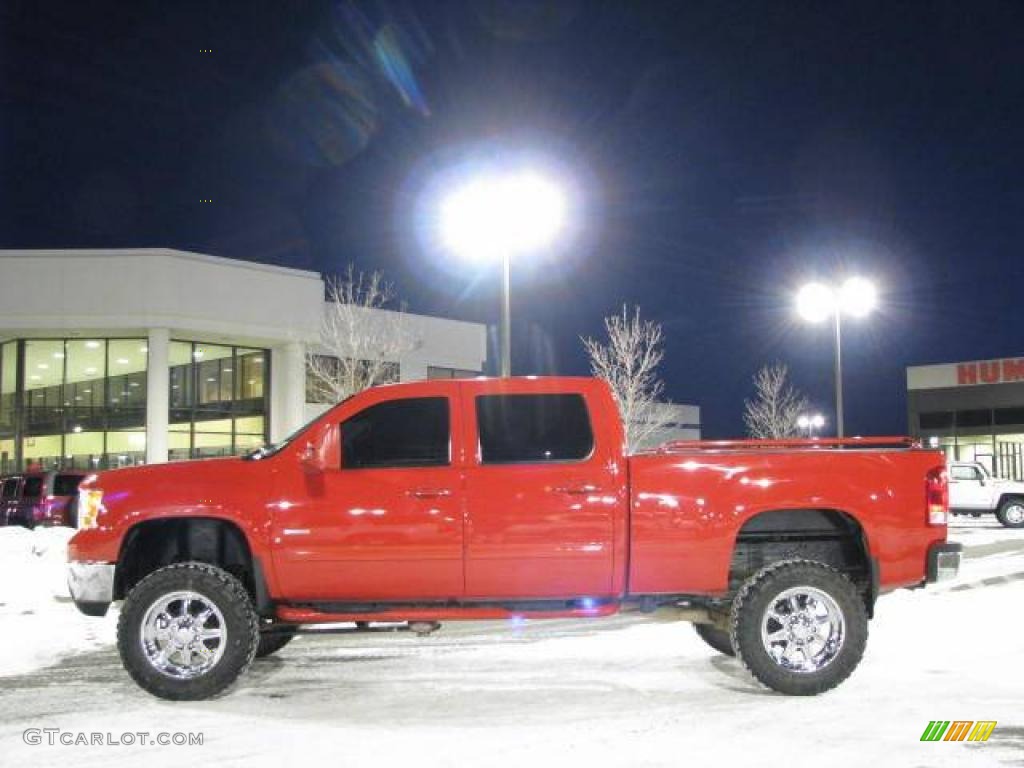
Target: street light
point(497, 217)
point(810, 422)
point(816, 302)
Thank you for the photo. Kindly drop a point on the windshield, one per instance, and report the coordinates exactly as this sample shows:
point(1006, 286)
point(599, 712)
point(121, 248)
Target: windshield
point(265, 451)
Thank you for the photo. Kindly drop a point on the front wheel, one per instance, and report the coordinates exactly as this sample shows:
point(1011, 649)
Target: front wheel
point(1011, 513)
point(187, 631)
point(273, 640)
point(799, 626)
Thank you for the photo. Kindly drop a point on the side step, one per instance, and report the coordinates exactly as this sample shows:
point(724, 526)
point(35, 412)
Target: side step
point(332, 612)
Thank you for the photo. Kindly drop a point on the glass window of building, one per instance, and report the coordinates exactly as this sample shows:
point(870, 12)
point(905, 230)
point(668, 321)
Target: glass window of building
point(439, 372)
point(217, 399)
point(78, 396)
point(8, 393)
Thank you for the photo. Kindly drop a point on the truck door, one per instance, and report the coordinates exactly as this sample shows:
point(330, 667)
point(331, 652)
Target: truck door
point(968, 489)
point(543, 496)
point(382, 520)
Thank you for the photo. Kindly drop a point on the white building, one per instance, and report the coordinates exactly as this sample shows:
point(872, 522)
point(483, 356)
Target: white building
point(973, 410)
point(114, 357)
point(680, 422)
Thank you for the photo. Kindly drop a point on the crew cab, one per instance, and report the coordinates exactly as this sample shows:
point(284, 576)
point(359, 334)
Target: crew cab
point(507, 498)
point(974, 491)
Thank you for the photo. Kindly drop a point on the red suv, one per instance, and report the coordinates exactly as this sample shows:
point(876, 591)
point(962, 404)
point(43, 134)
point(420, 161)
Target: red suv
point(40, 498)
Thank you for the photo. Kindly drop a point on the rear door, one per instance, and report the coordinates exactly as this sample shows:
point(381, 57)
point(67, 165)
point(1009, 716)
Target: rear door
point(541, 493)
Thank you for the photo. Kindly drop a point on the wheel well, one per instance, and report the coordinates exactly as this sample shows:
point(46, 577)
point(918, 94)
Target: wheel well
point(1007, 497)
point(154, 544)
point(826, 536)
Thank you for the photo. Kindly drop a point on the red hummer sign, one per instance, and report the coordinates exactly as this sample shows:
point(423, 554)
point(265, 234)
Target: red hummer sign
point(990, 372)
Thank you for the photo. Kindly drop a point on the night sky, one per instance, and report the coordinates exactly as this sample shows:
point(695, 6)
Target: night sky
point(717, 155)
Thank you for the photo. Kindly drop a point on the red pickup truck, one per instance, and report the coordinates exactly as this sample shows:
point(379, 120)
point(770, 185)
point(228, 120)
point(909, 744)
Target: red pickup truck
point(503, 498)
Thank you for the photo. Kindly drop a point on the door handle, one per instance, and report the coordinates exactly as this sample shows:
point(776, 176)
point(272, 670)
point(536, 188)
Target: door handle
point(576, 490)
point(429, 493)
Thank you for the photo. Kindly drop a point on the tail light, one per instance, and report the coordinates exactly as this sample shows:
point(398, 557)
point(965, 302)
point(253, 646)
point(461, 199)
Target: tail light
point(936, 486)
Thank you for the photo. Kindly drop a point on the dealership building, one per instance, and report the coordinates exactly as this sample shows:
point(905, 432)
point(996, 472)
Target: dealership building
point(973, 410)
point(117, 357)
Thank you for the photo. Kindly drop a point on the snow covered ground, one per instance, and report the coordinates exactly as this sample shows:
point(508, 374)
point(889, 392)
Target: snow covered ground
point(618, 691)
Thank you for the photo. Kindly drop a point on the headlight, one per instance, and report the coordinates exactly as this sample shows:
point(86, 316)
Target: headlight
point(90, 504)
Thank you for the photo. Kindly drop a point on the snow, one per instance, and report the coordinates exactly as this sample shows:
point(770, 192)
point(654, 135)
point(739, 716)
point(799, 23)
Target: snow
point(35, 605)
point(626, 690)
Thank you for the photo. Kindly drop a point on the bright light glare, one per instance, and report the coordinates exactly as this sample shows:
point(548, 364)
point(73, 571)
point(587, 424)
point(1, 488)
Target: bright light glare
point(858, 296)
point(499, 216)
point(810, 421)
point(815, 302)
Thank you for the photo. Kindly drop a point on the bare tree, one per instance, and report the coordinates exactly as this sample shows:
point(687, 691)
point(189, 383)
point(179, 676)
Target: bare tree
point(362, 336)
point(776, 406)
point(629, 363)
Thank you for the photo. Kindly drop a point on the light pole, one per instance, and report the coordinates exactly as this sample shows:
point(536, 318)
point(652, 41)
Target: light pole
point(496, 217)
point(816, 302)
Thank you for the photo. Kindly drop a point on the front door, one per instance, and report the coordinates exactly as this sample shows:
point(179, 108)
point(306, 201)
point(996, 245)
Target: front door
point(383, 520)
point(541, 498)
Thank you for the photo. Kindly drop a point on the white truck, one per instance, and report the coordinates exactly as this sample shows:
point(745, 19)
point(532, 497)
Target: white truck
point(973, 490)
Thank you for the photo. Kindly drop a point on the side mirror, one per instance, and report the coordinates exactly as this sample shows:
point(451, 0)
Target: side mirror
point(310, 459)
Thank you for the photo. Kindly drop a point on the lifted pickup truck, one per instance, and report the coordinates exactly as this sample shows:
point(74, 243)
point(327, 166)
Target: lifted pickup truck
point(504, 498)
point(973, 491)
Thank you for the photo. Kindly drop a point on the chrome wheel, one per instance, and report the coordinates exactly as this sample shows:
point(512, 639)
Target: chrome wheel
point(1014, 513)
point(183, 635)
point(803, 629)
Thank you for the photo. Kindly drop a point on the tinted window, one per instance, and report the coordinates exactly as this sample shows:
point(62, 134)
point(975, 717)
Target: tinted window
point(973, 418)
point(398, 433)
point(936, 420)
point(10, 488)
point(1009, 415)
point(66, 485)
point(533, 428)
point(32, 488)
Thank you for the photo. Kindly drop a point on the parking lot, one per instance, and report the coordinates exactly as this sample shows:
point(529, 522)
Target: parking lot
point(624, 690)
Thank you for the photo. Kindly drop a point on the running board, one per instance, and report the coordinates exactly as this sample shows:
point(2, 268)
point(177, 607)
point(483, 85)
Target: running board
point(322, 612)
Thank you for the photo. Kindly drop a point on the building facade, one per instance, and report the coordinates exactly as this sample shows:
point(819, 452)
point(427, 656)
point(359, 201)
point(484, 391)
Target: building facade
point(973, 410)
point(118, 357)
point(679, 422)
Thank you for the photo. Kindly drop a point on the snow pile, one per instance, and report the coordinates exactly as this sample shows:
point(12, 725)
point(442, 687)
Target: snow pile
point(35, 604)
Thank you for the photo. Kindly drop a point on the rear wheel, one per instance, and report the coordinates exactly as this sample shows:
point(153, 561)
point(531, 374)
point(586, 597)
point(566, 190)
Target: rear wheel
point(187, 631)
point(799, 626)
point(717, 638)
point(1011, 513)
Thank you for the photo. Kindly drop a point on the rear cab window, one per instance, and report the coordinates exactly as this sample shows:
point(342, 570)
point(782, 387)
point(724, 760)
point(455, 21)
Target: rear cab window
point(533, 428)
